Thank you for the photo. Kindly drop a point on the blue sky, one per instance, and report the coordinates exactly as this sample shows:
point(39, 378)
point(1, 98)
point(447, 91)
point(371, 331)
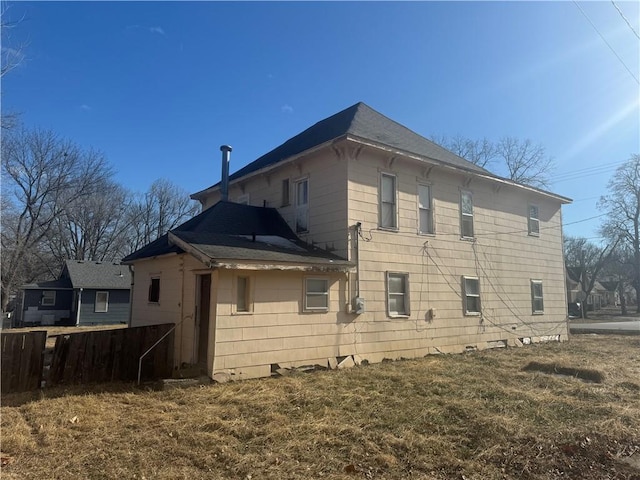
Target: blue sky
point(159, 86)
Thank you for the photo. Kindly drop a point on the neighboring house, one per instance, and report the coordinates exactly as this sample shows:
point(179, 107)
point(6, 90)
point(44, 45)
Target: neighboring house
point(85, 293)
point(602, 294)
point(355, 240)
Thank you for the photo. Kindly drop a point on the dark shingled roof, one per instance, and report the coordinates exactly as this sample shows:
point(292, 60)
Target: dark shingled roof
point(363, 122)
point(226, 231)
point(102, 275)
point(59, 284)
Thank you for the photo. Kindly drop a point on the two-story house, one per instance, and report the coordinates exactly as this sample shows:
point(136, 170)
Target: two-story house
point(357, 239)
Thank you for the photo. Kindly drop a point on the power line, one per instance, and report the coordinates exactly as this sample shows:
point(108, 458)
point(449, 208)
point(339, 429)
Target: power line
point(625, 19)
point(605, 41)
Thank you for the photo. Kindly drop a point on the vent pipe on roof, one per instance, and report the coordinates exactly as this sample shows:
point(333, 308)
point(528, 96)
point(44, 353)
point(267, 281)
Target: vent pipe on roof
point(224, 181)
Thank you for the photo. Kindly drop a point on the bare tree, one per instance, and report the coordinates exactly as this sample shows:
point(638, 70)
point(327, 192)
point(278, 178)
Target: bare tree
point(519, 160)
point(10, 58)
point(479, 152)
point(41, 174)
point(163, 207)
point(622, 206)
point(587, 260)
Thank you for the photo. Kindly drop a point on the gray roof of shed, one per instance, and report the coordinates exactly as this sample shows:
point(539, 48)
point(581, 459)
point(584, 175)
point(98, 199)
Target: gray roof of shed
point(230, 231)
point(362, 122)
point(98, 275)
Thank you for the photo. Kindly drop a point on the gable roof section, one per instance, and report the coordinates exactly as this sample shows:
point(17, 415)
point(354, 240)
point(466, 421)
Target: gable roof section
point(359, 121)
point(229, 232)
point(59, 284)
point(98, 275)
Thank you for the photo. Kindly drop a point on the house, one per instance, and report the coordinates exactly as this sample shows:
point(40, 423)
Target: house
point(355, 240)
point(85, 293)
point(602, 294)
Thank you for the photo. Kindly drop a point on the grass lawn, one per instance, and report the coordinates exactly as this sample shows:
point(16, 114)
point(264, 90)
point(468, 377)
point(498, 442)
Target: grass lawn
point(472, 416)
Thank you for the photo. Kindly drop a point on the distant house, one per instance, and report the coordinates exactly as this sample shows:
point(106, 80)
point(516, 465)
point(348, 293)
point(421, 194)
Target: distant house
point(602, 294)
point(355, 240)
point(85, 293)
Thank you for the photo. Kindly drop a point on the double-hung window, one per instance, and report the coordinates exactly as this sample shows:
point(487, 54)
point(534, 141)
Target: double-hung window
point(316, 294)
point(425, 210)
point(102, 302)
point(285, 192)
point(398, 294)
point(243, 301)
point(48, 298)
point(534, 220)
point(302, 205)
point(466, 214)
point(537, 301)
point(471, 290)
point(388, 215)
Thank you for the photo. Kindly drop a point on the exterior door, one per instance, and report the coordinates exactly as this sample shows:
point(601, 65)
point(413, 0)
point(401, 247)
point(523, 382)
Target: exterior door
point(202, 327)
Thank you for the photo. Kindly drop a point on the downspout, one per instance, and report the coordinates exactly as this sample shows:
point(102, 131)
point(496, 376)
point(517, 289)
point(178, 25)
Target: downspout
point(78, 309)
point(131, 296)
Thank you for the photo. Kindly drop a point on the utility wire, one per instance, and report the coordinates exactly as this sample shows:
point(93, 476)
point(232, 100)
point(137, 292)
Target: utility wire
point(625, 19)
point(605, 41)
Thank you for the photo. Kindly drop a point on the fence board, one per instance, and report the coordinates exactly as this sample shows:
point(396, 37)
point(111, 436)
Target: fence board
point(22, 360)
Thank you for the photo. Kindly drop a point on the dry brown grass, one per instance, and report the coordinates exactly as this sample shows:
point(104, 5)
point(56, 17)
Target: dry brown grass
point(471, 416)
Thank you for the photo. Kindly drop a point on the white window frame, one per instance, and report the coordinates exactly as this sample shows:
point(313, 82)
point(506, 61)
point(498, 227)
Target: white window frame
point(533, 220)
point(151, 279)
point(324, 293)
point(468, 217)
point(248, 294)
point(48, 298)
point(535, 297)
point(405, 294)
point(302, 209)
point(429, 209)
point(466, 295)
point(243, 199)
point(382, 203)
point(106, 302)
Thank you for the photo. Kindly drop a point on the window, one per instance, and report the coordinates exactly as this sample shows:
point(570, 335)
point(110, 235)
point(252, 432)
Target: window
point(243, 199)
point(466, 214)
point(154, 290)
point(302, 206)
point(425, 212)
point(537, 303)
point(316, 294)
point(285, 192)
point(397, 294)
point(102, 302)
point(388, 201)
point(242, 294)
point(534, 220)
point(48, 298)
point(471, 287)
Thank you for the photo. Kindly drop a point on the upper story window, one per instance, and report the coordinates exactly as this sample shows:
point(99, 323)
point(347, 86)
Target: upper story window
point(466, 214)
point(388, 215)
point(102, 302)
point(154, 290)
point(243, 294)
point(48, 298)
point(302, 205)
point(425, 210)
point(537, 301)
point(285, 192)
point(534, 220)
point(397, 294)
point(471, 287)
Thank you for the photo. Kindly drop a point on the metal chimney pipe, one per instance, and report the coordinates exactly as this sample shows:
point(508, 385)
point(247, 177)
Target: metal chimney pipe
point(224, 181)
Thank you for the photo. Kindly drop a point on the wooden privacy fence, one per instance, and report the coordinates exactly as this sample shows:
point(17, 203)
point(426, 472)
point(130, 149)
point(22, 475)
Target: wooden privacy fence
point(22, 360)
point(85, 357)
point(111, 355)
